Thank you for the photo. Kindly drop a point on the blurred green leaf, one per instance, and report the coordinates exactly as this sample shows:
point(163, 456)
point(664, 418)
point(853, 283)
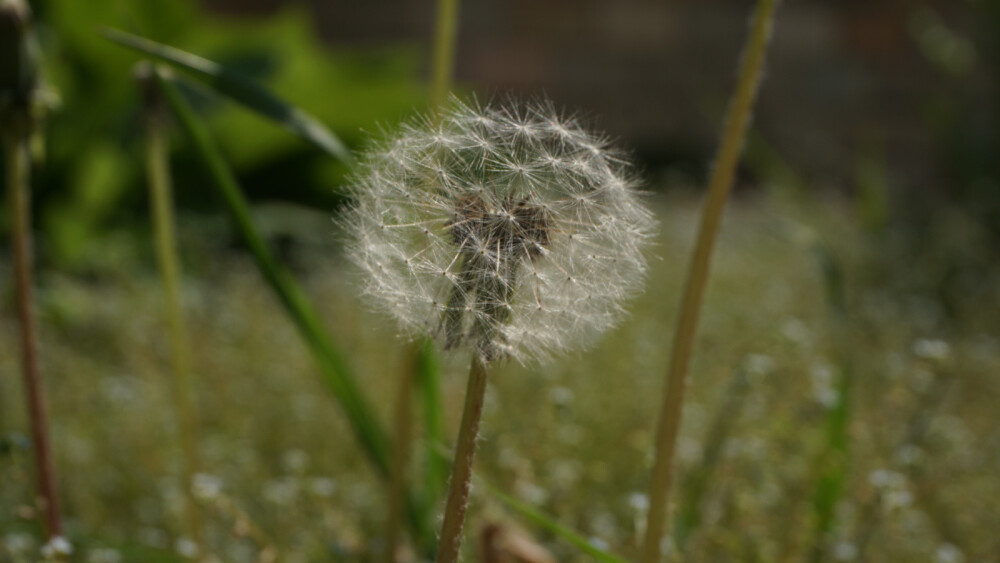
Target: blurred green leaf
point(832, 465)
point(369, 431)
point(437, 463)
point(240, 89)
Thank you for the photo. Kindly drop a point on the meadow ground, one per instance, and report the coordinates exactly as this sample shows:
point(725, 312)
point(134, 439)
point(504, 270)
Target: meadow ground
point(281, 470)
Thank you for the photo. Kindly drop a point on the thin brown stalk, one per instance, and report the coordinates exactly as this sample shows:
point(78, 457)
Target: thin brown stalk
point(401, 456)
point(17, 163)
point(162, 211)
point(450, 541)
point(443, 63)
point(719, 186)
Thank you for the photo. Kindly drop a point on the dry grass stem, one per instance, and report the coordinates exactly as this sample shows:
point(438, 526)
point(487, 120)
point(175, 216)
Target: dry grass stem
point(719, 185)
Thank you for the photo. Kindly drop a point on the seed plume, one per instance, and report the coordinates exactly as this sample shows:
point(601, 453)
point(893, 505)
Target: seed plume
point(509, 230)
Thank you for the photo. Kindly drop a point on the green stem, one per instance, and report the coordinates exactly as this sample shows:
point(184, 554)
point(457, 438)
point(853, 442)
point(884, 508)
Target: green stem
point(461, 472)
point(16, 154)
point(718, 192)
point(162, 210)
point(443, 64)
point(429, 382)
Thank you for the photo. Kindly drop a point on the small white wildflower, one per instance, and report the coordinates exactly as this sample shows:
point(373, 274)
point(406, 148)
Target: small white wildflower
point(322, 486)
point(667, 547)
point(948, 553)
point(796, 331)
point(531, 492)
point(206, 487)
point(561, 396)
point(598, 543)
point(898, 498)
point(512, 231)
point(845, 551)
point(886, 478)
point(893, 486)
point(822, 376)
point(295, 460)
point(17, 543)
point(57, 546)
point(639, 502)
point(929, 349)
point(186, 548)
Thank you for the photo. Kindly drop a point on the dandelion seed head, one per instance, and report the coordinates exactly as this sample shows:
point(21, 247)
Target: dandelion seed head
point(510, 230)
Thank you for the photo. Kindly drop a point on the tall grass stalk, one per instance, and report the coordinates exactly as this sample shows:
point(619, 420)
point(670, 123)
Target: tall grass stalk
point(402, 444)
point(442, 72)
point(450, 540)
point(719, 186)
point(17, 161)
point(443, 63)
point(21, 105)
point(164, 230)
point(832, 464)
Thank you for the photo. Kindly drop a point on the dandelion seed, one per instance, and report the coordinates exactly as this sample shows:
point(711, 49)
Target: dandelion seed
point(511, 231)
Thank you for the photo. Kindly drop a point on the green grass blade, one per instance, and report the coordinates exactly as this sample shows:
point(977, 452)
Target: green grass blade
point(370, 433)
point(240, 89)
point(539, 518)
point(833, 463)
point(428, 371)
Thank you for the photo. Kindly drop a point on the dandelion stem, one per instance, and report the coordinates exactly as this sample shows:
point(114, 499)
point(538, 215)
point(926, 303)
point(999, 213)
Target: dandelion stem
point(162, 210)
point(461, 473)
point(443, 64)
point(17, 161)
point(718, 191)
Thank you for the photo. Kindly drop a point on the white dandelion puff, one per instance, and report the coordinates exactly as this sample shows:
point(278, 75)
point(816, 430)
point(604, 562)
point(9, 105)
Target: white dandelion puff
point(510, 230)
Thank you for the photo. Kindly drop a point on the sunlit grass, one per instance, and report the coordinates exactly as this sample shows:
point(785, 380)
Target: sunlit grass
point(572, 439)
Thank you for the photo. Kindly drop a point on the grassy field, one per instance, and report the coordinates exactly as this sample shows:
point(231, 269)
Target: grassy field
point(876, 412)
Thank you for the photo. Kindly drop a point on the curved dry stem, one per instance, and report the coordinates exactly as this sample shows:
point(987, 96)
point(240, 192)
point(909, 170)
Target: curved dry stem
point(718, 191)
point(461, 473)
point(400, 456)
point(161, 206)
point(15, 146)
point(443, 63)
